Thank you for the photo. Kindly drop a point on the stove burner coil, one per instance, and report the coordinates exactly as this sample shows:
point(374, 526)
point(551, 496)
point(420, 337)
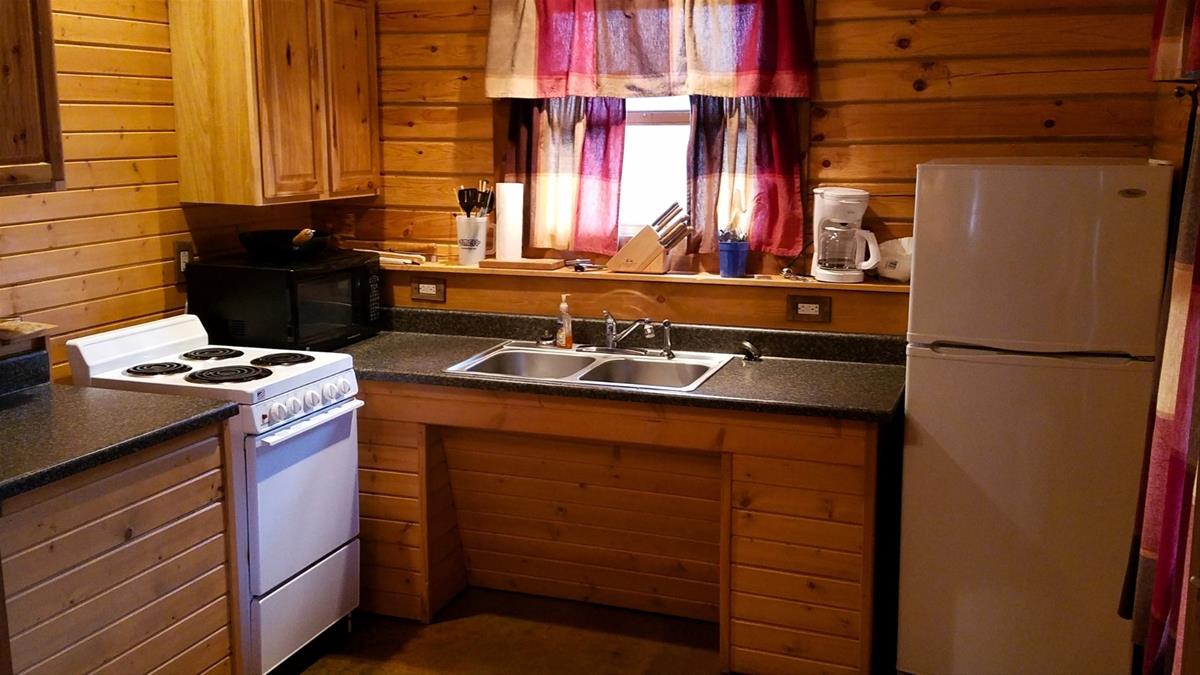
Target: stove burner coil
point(149, 369)
point(228, 374)
point(282, 359)
point(212, 354)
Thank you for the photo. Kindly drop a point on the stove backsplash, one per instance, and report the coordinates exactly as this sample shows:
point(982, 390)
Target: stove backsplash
point(25, 370)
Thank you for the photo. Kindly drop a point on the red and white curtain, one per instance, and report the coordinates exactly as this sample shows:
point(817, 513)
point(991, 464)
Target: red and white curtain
point(1175, 50)
point(568, 152)
point(626, 48)
point(746, 172)
point(1165, 524)
point(746, 62)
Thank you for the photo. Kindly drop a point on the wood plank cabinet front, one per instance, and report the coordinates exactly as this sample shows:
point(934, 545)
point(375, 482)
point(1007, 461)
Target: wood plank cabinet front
point(275, 100)
point(765, 524)
point(124, 568)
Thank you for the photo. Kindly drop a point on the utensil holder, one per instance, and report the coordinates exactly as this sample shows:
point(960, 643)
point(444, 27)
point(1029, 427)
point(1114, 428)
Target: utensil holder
point(472, 238)
point(733, 256)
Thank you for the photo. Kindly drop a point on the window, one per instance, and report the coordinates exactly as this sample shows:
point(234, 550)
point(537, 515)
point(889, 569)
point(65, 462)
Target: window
point(655, 165)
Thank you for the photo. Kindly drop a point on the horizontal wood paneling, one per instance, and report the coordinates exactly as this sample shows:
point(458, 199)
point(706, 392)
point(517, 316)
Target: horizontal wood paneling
point(393, 555)
point(897, 83)
point(801, 551)
point(97, 254)
point(122, 568)
point(901, 83)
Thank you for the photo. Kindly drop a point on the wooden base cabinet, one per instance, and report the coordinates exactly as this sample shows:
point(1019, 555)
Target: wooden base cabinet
point(763, 523)
point(123, 568)
point(275, 100)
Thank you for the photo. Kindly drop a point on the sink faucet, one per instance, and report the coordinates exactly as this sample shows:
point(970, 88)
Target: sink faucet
point(612, 338)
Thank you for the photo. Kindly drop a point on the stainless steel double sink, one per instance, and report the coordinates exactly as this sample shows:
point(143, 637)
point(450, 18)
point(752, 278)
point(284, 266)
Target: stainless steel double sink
point(528, 361)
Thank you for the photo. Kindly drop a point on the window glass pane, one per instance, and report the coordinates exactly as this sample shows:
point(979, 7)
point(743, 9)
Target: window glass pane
point(654, 173)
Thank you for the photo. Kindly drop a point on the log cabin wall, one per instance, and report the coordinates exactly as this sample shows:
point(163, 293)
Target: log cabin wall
point(98, 254)
point(898, 82)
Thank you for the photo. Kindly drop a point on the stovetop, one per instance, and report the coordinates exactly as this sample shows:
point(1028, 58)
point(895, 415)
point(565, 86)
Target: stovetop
point(242, 374)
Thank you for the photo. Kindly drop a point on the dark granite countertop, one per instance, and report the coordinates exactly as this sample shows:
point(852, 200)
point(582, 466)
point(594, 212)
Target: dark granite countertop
point(844, 389)
point(52, 431)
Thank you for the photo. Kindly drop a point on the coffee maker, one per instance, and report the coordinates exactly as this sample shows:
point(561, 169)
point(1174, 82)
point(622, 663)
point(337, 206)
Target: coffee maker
point(842, 249)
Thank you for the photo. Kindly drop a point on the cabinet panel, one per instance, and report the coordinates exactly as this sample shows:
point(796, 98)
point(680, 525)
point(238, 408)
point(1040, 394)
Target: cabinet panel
point(353, 111)
point(290, 96)
point(30, 145)
point(111, 594)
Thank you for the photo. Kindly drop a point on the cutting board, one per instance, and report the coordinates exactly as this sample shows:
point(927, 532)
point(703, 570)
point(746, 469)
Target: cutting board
point(522, 264)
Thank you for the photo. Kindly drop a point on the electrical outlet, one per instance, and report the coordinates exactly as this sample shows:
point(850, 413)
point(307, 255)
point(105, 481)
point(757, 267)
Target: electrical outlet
point(429, 289)
point(810, 308)
point(184, 253)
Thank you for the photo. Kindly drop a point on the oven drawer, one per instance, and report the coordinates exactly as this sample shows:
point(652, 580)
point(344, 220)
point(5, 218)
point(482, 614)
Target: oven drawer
point(302, 494)
point(301, 609)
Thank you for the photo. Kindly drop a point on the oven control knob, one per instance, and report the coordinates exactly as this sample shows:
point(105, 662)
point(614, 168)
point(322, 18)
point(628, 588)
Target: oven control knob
point(278, 412)
point(331, 392)
point(312, 399)
point(343, 386)
point(295, 407)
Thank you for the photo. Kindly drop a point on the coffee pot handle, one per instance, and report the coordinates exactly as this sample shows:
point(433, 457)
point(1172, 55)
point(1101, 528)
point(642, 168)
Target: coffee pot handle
point(873, 255)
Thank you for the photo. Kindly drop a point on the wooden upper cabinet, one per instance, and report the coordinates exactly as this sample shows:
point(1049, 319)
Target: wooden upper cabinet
point(275, 100)
point(290, 97)
point(31, 157)
point(353, 106)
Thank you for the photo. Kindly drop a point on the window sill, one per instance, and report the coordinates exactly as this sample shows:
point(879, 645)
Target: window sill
point(762, 281)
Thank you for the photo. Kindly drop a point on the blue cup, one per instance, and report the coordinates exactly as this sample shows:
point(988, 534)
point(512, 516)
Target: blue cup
point(733, 258)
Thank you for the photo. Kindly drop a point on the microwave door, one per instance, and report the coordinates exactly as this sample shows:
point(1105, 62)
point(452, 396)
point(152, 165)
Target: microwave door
point(324, 308)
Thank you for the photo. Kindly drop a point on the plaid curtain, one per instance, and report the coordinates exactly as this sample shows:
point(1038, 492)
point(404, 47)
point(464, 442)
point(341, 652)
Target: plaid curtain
point(629, 48)
point(745, 172)
point(1175, 50)
point(568, 152)
point(1170, 471)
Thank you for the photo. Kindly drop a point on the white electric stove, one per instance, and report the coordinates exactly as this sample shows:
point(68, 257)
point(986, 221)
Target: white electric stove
point(293, 451)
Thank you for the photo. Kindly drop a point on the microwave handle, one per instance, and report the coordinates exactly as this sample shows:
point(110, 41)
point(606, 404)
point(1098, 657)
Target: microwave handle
point(297, 428)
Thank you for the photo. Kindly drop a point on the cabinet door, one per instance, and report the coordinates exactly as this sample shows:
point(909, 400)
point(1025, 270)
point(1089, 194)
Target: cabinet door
point(353, 111)
point(290, 98)
point(30, 144)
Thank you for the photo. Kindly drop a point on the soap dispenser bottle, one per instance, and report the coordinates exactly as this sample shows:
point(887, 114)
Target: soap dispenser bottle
point(563, 337)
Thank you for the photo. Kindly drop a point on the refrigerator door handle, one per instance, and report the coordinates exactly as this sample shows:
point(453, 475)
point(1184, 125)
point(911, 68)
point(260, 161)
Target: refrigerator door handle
point(959, 349)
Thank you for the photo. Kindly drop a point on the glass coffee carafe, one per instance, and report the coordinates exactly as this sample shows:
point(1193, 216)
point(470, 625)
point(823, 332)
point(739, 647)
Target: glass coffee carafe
point(844, 251)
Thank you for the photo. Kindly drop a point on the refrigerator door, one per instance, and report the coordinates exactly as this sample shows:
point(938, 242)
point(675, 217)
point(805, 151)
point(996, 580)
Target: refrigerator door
point(1019, 497)
point(1041, 255)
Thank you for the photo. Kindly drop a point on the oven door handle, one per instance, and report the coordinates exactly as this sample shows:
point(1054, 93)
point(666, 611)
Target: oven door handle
point(293, 430)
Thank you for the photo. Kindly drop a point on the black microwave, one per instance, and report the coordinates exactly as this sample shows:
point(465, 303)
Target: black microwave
point(322, 303)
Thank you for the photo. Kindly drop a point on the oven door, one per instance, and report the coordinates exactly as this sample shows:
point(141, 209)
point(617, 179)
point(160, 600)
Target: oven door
point(302, 487)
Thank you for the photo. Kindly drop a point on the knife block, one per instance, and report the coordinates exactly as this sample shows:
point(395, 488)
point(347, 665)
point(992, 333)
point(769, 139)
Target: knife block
point(642, 254)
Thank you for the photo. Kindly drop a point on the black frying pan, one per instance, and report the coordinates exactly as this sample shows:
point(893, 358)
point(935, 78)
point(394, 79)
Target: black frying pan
point(283, 244)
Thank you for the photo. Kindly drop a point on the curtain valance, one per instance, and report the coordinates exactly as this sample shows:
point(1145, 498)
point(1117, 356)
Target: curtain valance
point(631, 48)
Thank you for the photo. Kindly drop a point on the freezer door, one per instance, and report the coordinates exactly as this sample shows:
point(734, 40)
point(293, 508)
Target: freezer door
point(1040, 257)
point(1019, 496)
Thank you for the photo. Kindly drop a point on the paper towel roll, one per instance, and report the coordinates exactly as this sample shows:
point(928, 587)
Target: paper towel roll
point(510, 220)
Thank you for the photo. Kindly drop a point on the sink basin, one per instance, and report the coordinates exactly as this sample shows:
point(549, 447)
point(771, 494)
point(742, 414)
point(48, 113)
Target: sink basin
point(527, 361)
point(531, 364)
point(669, 374)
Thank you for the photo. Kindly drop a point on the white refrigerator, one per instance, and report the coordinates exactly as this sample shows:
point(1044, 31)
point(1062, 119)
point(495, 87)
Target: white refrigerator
point(1032, 336)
